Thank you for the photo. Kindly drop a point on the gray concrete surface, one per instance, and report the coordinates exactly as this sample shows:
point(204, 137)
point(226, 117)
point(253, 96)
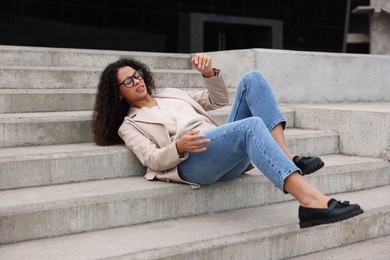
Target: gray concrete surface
point(46, 100)
point(55, 100)
point(30, 129)
point(378, 12)
point(55, 210)
point(23, 129)
point(47, 165)
point(61, 57)
point(363, 127)
point(378, 249)
point(253, 233)
point(312, 77)
point(220, 115)
point(294, 76)
point(112, 194)
point(24, 77)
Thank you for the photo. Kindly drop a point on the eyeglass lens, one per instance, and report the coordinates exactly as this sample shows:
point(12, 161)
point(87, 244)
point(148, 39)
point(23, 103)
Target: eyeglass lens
point(129, 81)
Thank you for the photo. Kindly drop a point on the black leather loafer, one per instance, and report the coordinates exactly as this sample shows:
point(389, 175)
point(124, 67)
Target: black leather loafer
point(308, 164)
point(335, 212)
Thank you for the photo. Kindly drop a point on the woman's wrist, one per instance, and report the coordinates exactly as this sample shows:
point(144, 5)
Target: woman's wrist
point(179, 152)
point(208, 74)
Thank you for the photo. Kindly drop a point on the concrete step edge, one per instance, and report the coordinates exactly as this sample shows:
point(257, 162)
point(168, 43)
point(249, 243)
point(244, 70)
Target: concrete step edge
point(75, 127)
point(53, 100)
point(20, 91)
point(344, 106)
point(87, 69)
point(88, 51)
point(37, 117)
point(360, 125)
point(103, 204)
point(51, 119)
point(252, 232)
point(91, 59)
point(77, 50)
point(374, 248)
point(35, 77)
point(58, 164)
point(255, 244)
point(50, 115)
point(37, 152)
point(47, 165)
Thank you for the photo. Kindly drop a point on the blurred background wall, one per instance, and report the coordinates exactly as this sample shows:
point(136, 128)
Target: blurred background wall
point(182, 25)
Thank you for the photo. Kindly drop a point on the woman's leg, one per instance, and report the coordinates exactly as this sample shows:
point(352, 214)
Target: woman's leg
point(232, 146)
point(278, 134)
point(255, 98)
point(304, 192)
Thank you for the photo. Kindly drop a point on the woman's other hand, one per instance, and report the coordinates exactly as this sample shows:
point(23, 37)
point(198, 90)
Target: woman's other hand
point(202, 62)
point(192, 142)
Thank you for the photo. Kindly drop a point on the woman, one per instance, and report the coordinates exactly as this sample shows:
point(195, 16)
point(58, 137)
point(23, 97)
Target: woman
point(173, 136)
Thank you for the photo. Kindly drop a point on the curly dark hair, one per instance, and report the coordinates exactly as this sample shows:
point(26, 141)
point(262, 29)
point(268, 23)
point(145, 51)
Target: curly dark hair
point(109, 109)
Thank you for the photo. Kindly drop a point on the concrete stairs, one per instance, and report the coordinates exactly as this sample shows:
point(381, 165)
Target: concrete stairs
point(62, 197)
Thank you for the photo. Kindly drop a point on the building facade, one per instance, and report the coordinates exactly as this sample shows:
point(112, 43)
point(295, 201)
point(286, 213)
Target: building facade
point(178, 25)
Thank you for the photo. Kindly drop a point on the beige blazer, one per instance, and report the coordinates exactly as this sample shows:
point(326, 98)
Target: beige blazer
point(148, 138)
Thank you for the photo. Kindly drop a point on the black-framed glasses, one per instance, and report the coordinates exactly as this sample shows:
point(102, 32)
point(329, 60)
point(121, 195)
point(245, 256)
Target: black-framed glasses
point(129, 81)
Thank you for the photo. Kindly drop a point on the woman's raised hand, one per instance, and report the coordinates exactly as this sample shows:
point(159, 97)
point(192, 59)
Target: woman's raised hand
point(202, 62)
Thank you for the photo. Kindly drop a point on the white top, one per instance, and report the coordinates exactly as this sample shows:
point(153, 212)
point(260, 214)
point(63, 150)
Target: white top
point(179, 117)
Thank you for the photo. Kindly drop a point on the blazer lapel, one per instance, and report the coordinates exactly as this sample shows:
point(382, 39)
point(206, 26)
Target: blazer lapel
point(150, 125)
point(142, 115)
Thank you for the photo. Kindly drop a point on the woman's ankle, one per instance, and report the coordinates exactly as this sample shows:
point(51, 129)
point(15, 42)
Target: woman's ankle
point(304, 192)
point(316, 201)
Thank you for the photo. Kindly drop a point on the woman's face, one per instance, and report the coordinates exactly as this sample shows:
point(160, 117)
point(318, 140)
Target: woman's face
point(135, 89)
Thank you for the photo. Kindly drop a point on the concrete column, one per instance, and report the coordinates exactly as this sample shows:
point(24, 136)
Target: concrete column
point(379, 13)
point(380, 28)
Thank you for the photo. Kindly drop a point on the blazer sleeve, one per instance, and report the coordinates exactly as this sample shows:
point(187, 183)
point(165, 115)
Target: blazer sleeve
point(215, 95)
point(147, 150)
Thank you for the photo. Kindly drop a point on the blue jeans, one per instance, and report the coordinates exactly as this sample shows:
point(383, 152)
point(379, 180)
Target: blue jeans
point(244, 138)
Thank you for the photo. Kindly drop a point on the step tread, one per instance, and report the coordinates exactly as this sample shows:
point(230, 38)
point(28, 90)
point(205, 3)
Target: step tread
point(54, 196)
point(380, 107)
point(42, 116)
point(88, 58)
point(19, 91)
point(190, 234)
point(10, 48)
point(88, 69)
point(30, 199)
point(298, 132)
point(228, 107)
point(74, 90)
point(51, 116)
point(45, 116)
point(36, 152)
point(377, 248)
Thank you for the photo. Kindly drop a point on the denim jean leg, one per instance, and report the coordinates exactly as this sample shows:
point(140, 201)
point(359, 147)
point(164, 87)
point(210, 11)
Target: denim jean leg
point(233, 143)
point(254, 97)
point(224, 159)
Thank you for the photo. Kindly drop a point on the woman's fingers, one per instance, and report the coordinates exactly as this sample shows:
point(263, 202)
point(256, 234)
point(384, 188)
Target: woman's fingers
point(202, 62)
point(198, 144)
point(192, 142)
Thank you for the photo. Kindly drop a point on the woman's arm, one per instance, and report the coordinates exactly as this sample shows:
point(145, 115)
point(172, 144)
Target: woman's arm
point(147, 150)
point(216, 95)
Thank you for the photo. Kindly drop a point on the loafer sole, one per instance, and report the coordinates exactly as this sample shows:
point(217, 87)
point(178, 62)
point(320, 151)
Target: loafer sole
point(316, 222)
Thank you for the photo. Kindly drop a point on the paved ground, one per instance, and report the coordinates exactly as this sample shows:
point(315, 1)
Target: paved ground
point(378, 249)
